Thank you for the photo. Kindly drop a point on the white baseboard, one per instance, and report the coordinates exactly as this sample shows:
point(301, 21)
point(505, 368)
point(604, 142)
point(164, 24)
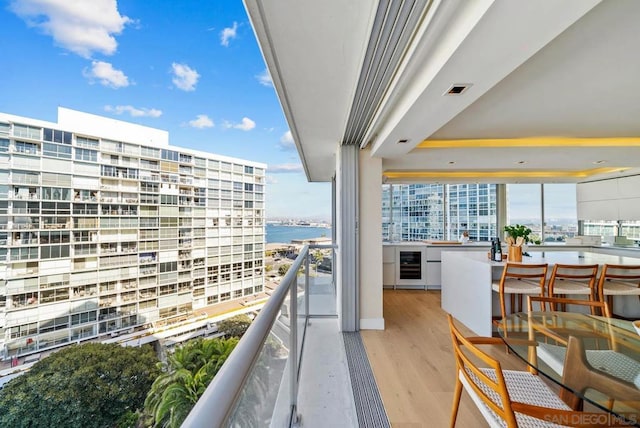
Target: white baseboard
point(371, 323)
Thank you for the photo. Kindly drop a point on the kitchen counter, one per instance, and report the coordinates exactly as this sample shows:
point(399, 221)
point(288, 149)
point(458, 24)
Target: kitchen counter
point(467, 278)
point(429, 254)
point(431, 258)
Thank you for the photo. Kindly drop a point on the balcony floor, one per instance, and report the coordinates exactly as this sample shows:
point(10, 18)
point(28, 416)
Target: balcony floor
point(326, 397)
point(412, 361)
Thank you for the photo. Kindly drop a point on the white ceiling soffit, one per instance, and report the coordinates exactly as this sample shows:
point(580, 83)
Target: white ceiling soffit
point(393, 29)
point(583, 84)
point(314, 51)
point(479, 42)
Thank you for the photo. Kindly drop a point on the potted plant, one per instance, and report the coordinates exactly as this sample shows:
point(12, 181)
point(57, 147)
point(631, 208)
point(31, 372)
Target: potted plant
point(518, 230)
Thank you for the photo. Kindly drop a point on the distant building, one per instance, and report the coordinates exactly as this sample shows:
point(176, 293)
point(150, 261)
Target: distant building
point(439, 212)
point(105, 227)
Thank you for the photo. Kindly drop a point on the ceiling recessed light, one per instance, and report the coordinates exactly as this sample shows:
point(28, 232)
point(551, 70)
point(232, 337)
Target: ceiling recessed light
point(403, 141)
point(458, 88)
point(521, 162)
point(598, 162)
point(452, 162)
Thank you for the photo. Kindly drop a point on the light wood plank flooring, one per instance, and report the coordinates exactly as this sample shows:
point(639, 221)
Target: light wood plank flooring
point(412, 361)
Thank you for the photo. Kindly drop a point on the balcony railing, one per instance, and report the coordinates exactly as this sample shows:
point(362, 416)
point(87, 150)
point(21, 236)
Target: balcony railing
point(258, 384)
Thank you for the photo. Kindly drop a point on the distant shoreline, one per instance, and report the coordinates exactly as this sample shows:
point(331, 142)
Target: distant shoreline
point(289, 232)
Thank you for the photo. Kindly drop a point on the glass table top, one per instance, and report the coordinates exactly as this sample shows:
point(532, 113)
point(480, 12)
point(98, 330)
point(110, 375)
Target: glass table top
point(592, 358)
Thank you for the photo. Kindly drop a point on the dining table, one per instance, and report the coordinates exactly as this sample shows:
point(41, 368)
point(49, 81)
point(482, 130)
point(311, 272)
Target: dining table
point(594, 360)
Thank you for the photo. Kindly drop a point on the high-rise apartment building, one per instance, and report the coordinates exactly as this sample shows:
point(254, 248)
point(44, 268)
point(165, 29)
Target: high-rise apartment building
point(438, 211)
point(104, 227)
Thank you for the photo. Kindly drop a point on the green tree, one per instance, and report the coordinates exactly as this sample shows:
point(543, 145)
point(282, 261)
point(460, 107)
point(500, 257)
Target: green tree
point(235, 326)
point(283, 269)
point(185, 376)
point(318, 256)
point(93, 384)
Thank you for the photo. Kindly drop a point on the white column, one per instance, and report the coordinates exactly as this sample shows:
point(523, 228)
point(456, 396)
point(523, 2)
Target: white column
point(370, 254)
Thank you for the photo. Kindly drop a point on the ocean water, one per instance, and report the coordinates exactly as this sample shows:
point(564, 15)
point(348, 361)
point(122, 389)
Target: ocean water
point(285, 234)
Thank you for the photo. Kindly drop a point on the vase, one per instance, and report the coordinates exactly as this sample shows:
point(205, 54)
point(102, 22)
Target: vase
point(515, 254)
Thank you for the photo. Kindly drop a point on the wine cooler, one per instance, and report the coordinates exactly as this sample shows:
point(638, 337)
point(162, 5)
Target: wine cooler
point(410, 268)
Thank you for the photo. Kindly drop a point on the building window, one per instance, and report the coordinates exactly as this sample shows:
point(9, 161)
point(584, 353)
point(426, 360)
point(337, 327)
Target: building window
point(89, 143)
point(170, 155)
point(26, 131)
point(57, 136)
point(86, 155)
point(28, 148)
point(56, 151)
point(168, 267)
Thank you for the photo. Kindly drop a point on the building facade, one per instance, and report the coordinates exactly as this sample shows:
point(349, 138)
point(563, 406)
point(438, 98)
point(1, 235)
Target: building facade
point(438, 211)
point(105, 227)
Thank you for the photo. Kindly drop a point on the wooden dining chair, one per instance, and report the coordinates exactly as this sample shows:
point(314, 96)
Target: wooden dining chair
point(508, 398)
point(546, 303)
point(573, 279)
point(618, 280)
point(520, 279)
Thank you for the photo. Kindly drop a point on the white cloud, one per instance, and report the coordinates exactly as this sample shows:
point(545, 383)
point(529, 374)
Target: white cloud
point(82, 27)
point(285, 168)
point(184, 77)
point(133, 111)
point(228, 34)
point(201, 121)
point(245, 125)
point(265, 78)
point(270, 179)
point(286, 141)
point(106, 75)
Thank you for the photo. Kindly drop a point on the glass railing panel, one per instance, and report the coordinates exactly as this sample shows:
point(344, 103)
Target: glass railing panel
point(265, 399)
point(258, 383)
point(322, 291)
point(302, 308)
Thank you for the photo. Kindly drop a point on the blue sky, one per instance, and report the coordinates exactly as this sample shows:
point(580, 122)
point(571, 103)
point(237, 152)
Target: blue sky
point(192, 68)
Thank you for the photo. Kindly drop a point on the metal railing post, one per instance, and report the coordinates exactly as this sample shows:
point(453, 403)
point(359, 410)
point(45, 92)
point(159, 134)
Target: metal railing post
point(293, 346)
point(306, 288)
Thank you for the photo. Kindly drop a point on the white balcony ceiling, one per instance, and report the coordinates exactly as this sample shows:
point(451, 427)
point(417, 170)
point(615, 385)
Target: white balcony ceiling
point(536, 69)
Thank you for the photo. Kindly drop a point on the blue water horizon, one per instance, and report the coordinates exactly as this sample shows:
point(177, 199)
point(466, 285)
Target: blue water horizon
point(285, 234)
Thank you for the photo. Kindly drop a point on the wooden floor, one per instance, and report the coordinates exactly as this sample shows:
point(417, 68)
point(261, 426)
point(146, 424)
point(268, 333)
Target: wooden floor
point(412, 360)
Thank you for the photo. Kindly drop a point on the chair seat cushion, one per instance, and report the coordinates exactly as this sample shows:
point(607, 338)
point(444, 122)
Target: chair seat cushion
point(523, 387)
point(621, 288)
point(518, 286)
point(606, 360)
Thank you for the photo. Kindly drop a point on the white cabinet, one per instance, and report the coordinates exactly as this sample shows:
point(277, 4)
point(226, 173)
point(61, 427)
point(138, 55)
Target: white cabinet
point(388, 266)
point(598, 210)
point(613, 199)
point(433, 275)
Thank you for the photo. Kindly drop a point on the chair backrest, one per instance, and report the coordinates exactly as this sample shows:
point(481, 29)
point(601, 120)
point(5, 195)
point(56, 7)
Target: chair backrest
point(587, 273)
point(482, 385)
point(525, 271)
point(625, 273)
point(555, 302)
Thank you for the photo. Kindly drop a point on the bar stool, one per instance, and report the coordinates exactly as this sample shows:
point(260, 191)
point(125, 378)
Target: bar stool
point(618, 280)
point(569, 279)
point(520, 279)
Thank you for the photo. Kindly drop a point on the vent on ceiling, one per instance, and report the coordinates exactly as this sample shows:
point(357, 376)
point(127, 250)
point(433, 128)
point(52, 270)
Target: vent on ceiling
point(457, 89)
point(394, 26)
